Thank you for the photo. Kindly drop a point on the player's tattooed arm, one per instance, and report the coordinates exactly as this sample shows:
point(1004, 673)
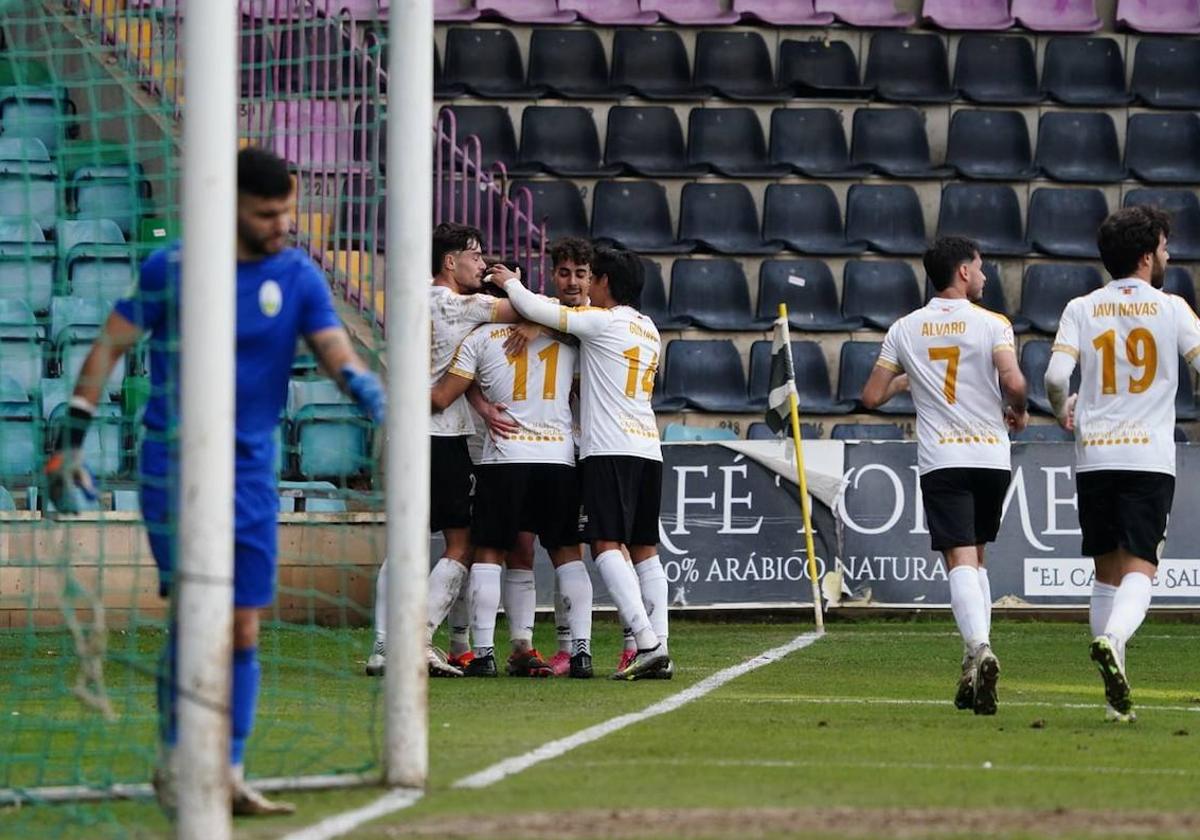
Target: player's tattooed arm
point(883, 384)
point(336, 356)
point(1058, 383)
point(1013, 387)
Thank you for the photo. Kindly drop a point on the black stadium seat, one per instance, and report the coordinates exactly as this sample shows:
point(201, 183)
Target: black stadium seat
point(1048, 287)
point(812, 141)
point(494, 128)
point(654, 63)
point(990, 145)
point(988, 213)
point(813, 391)
point(570, 63)
point(559, 203)
point(486, 62)
point(1185, 392)
point(1079, 146)
point(707, 375)
point(1035, 358)
point(808, 289)
point(730, 141)
point(996, 70)
point(737, 65)
point(854, 368)
point(806, 217)
point(879, 292)
point(654, 299)
point(820, 68)
point(892, 141)
point(648, 141)
point(1179, 282)
point(1163, 148)
point(908, 67)
point(1063, 222)
point(1164, 72)
point(1042, 433)
point(563, 141)
point(993, 297)
point(887, 217)
point(1184, 208)
point(635, 215)
point(866, 431)
point(712, 294)
point(1084, 71)
point(722, 218)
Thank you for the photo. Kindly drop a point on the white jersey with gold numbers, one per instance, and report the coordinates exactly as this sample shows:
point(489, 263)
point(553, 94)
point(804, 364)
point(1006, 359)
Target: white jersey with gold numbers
point(536, 387)
point(1126, 337)
point(453, 316)
point(946, 349)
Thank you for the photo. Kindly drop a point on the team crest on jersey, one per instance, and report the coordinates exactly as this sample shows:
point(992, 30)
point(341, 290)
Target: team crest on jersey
point(270, 298)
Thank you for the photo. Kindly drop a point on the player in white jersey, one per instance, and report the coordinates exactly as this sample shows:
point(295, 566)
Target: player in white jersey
point(454, 310)
point(1124, 422)
point(620, 459)
point(961, 367)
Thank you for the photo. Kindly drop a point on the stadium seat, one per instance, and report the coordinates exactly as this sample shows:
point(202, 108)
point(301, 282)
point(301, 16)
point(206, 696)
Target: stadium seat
point(1057, 15)
point(679, 433)
point(104, 447)
point(879, 292)
point(692, 12)
point(990, 145)
point(997, 70)
point(866, 431)
point(1163, 148)
point(95, 260)
point(812, 141)
point(854, 368)
point(37, 112)
point(74, 325)
point(1185, 392)
point(313, 135)
point(1164, 72)
point(761, 431)
point(993, 297)
point(661, 400)
point(525, 11)
point(736, 65)
point(362, 214)
point(722, 218)
point(1184, 208)
point(1035, 358)
point(330, 441)
point(808, 289)
point(569, 63)
point(1079, 146)
point(867, 13)
point(28, 181)
point(908, 67)
point(654, 64)
point(313, 53)
point(1179, 282)
point(310, 497)
point(990, 214)
point(563, 141)
point(27, 263)
point(494, 128)
point(1048, 287)
point(967, 14)
point(1042, 433)
point(120, 193)
point(782, 12)
point(712, 294)
point(806, 217)
point(610, 12)
point(820, 68)
point(892, 141)
point(455, 10)
point(1181, 436)
point(706, 375)
point(6, 500)
point(559, 204)
point(654, 299)
point(648, 141)
point(887, 217)
point(20, 344)
point(1084, 71)
point(369, 143)
point(1167, 17)
point(464, 200)
point(20, 433)
point(441, 88)
point(1063, 222)
point(635, 215)
point(730, 141)
point(486, 62)
point(813, 391)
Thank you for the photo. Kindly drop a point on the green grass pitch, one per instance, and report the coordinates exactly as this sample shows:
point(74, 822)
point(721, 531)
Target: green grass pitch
point(853, 736)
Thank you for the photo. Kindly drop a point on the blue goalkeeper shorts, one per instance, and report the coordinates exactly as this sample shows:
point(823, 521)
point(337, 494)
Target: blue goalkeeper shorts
point(256, 538)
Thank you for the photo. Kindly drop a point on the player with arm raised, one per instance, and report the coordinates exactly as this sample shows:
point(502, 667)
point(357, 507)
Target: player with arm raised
point(1122, 336)
point(620, 458)
point(281, 296)
point(961, 367)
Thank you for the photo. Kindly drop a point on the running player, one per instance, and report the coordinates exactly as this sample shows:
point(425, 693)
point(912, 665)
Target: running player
point(620, 458)
point(959, 361)
point(281, 296)
point(1125, 337)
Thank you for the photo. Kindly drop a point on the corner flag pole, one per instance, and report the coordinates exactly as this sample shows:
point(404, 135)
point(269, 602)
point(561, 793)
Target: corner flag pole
point(794, 410)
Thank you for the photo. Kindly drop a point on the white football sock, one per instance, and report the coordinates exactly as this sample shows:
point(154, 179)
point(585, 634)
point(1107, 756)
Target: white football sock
point(575, 586)
point(381, 602)
point(985, 586)
point(485, 602)
point(520, 603)
point(459, 620)
point(655, 595)
point(562, 629)
point(1129, 606)
point(445, 581)
point(1100, 606)
point(623, 588)
point(966, 600)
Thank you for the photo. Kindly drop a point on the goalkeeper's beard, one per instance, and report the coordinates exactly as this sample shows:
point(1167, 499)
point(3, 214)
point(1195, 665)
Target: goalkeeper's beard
point(260, 246)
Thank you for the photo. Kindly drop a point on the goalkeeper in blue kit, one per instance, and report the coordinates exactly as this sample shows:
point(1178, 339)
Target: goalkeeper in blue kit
point(281, 296)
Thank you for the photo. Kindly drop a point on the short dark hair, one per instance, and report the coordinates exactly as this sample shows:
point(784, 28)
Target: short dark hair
point(262, 174)
point(1129, 234)
point(574, 249)
point(944, 256)
point(449, 237)
point(625, 272)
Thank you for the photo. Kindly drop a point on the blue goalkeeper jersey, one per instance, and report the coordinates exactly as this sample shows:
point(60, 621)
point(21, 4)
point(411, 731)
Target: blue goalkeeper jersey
point(279, 299)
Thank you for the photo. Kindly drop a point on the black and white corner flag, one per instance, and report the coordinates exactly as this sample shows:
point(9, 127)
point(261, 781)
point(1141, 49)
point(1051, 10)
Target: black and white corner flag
point(783, 379)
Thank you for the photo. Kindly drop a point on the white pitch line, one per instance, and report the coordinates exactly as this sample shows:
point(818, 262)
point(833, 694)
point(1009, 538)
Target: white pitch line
point(898, 701)
point(347, 821)
point(552, 749)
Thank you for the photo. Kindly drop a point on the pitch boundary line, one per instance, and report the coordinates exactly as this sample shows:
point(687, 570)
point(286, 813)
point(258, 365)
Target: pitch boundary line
point(921, 701)
point(398, 800)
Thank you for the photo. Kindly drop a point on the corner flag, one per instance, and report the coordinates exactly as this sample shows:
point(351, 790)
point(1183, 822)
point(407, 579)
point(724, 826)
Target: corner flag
point(782, 383)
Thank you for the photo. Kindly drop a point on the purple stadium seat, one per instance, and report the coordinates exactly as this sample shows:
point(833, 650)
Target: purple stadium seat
point(881, 13)
point(610, 12)
point(363, 10)
point(968, 14)
point(447, 9)
point(314, 134)
point(1166, 16)
point(691, 12)
point(525, 11)
point(1057, 15)
point(783, 12)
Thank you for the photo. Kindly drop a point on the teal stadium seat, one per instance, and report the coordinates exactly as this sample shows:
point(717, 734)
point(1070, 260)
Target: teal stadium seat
point(74, 324)
point(313, 496)
point(104, 448)
point(677, 433)
point(95, 262)
point(330, 436)
point(21, 342)
point(28, 181)
point(6, 501)
point(20, 441)
point(117, 192)
point(26, 263)
point(43, 113)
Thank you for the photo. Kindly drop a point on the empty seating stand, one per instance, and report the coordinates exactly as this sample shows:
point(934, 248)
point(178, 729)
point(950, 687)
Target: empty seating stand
point(569, 63)
point(730, 141)
point(1057, 15)
point(1085, 71)
point(736, 65)
point(1048, 287)
point(887, 217)
point(1164, 72)
point(705, 375)
point(722, 218)
point(879, 292)
point(814, 392)
point(990, 214)
point(562, 141)
point(27, 263)
point(635, 215)
point(892, 141)
point(812, 141)
point(1063, 222)
point(1171, 17)
point(654, 64)
point(808, 289)
point(21, 342)
point(854, 368)
point(990, 145)
point(1184, 208)
point(1163, 148)
point(647, 141)
point(712, 294)
point(820, 69)
point(908, 67)
point(806, 218)
point(997, 70)
point(1079, 146)
point(967, 14)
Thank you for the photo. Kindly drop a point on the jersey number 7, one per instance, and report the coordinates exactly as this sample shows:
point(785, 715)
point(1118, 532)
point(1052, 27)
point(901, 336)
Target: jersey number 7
point(949, 355)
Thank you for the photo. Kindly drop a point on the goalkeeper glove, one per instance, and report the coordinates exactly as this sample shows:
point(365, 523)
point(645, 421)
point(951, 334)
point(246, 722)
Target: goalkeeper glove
point(368, 392)
point(69, 482)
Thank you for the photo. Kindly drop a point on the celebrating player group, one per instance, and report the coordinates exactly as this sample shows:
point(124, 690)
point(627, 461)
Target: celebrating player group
point(959, 362)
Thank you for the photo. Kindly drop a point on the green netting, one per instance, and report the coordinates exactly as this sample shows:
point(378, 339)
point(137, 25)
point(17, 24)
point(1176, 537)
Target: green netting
point(90, 166)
